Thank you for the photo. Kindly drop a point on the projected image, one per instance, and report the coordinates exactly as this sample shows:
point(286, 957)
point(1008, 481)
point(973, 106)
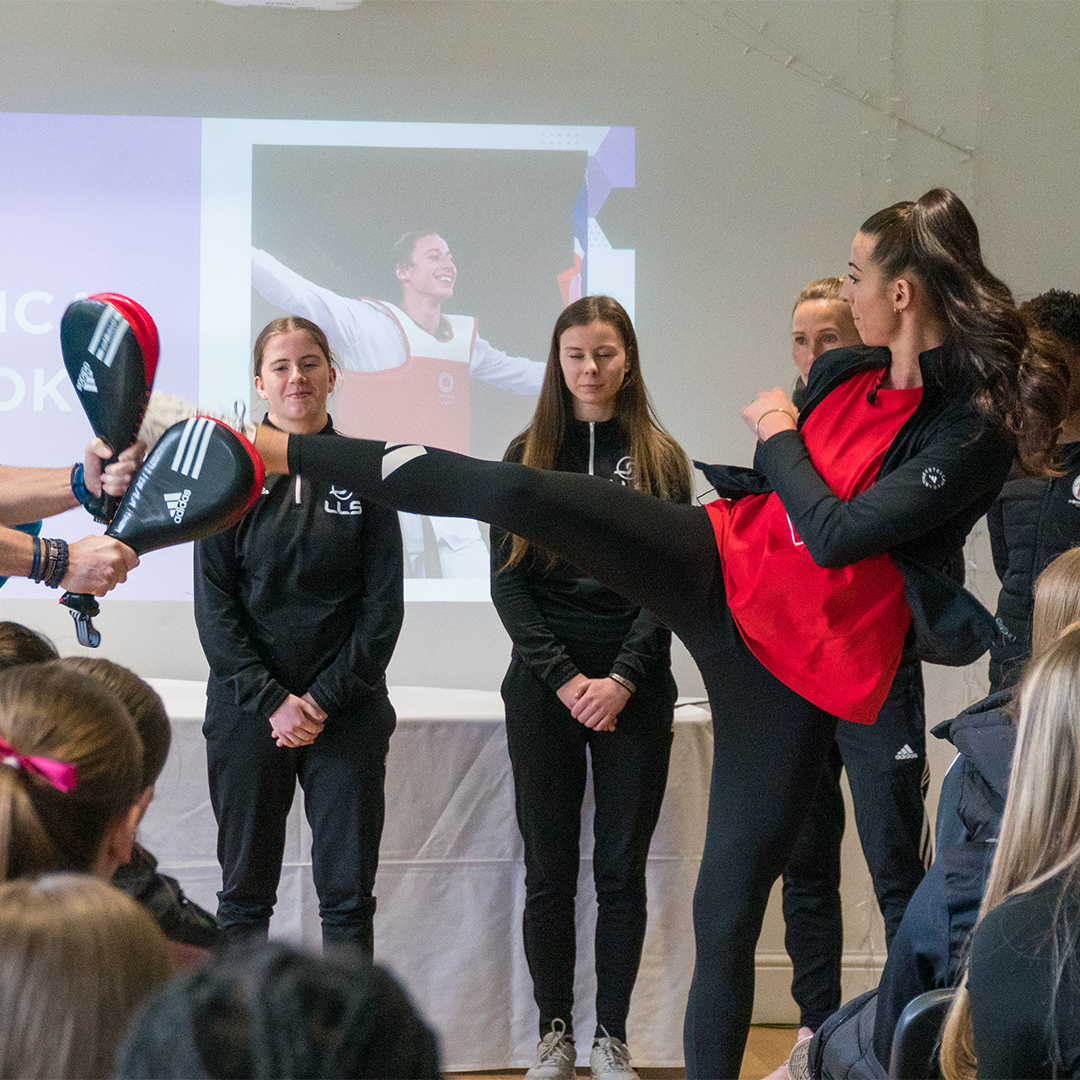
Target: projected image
point(217, 226)
point(436, 258)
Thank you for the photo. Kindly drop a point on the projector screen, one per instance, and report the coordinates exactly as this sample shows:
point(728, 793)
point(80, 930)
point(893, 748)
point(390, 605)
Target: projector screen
point(217, 226)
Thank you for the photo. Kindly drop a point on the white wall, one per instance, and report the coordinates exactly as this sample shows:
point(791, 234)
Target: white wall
point(766, 132)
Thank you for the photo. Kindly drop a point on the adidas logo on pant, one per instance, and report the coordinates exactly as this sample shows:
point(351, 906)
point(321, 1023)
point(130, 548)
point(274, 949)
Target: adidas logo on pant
point(905, 753)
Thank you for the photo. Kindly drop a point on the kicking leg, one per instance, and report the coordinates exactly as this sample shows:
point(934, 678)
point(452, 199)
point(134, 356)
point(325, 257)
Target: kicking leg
point(659, 554)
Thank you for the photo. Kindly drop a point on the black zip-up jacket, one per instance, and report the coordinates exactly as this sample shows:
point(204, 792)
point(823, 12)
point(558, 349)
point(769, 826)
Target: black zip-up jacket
point(303, 594)
point(1032, 522)
point(544, 605)
point(938, 477)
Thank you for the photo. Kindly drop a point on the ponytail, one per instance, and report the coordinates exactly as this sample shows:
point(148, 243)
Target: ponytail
point(48, 712)
point(1016, 377)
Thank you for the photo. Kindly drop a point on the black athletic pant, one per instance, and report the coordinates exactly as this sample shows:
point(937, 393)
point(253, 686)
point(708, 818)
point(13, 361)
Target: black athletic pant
point(885, 763)
point(629, 769)
point(769, 742)
point(252, 786)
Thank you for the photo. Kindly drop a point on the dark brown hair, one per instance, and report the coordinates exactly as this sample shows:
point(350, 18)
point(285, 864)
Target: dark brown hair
point(143, 704)
point(21, 645)
point(283, 326)
point(1016, 375)
point(660, 466)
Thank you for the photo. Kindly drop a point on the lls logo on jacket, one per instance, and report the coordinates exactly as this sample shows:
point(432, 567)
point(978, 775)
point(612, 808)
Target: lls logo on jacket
point(342, 502)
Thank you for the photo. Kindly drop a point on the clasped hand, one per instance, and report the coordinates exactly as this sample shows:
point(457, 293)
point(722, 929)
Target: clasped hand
point(596, 703)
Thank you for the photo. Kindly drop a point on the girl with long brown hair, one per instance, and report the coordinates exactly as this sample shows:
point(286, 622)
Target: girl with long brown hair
point(589, 677)
point(795, 594)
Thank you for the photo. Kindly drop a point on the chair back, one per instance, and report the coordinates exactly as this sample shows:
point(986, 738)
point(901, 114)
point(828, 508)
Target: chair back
point(917, 1036)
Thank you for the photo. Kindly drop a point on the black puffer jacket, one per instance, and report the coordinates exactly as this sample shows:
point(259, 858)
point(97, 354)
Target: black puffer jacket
point(1032, 522)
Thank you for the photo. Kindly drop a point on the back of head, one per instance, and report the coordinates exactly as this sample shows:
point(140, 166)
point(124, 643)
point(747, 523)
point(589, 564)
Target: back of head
point(76, 958)
point(278, 1012)
point(1057, 313)
point(1057, 601)
point(142, 702)
point(51, 713)
point(21, 645)
point(1040, 830)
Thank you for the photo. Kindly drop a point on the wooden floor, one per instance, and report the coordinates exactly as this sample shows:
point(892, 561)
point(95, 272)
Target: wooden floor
point(767, 1048)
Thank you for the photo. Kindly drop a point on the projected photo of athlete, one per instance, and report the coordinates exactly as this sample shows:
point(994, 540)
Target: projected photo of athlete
point(405, 378)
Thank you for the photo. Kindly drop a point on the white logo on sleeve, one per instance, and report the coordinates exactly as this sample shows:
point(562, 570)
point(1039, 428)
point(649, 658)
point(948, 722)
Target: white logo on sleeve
point(933, 477)
point(343, 502)
point(905, 753)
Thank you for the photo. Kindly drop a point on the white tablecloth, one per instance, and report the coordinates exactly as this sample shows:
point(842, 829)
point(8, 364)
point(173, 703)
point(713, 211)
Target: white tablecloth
point(451, 881)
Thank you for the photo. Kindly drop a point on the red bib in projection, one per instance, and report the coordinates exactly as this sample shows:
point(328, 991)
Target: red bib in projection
point(425, 400)
point(832, 635)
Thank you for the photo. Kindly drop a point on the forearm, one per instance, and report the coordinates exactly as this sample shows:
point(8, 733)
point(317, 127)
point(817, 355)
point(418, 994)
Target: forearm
point(32, 494)
point(16, 553)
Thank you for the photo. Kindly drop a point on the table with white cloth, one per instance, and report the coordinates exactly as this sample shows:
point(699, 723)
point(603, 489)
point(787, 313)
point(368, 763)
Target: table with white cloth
point(451, 881)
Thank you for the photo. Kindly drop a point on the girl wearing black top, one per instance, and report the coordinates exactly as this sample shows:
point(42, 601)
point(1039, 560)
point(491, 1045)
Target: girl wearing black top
point(583, 659)
point(789, 598)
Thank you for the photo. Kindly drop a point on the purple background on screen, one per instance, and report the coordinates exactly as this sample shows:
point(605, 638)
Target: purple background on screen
point(93, 204)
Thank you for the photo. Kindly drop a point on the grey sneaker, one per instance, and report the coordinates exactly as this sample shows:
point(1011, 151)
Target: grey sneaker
point(555, 1056)
point(610, 1060)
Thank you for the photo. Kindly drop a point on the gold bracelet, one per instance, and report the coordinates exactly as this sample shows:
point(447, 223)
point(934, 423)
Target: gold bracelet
point(623, 681)
point(766, 413)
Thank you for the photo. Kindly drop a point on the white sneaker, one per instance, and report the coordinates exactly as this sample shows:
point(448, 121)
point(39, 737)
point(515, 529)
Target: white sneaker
point(555, 1056)
point(610, 1060)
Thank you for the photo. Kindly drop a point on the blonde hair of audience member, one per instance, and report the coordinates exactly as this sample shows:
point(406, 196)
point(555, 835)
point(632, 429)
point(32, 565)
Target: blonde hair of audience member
point(820, 321)
point(143, 704)
point(1040, 829)
point(49, 712)
point(76, 958)
point(1057, 601)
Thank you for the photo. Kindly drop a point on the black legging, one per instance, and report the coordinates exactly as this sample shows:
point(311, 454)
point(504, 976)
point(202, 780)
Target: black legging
point(770, 743)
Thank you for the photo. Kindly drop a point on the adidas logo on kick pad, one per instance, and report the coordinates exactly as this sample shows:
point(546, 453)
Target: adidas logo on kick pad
point(905, 753)
point(85, 381)
point(177, 502)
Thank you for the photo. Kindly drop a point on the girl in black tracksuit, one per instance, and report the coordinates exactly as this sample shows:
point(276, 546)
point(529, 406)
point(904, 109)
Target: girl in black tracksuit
point(298, 608)
point(577, 643)
point(797, 574)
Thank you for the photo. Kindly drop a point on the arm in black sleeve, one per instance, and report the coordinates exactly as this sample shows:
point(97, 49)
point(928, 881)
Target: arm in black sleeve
point(219, 618)
point(961, 464)
point(360, 665)
point(533, 640)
